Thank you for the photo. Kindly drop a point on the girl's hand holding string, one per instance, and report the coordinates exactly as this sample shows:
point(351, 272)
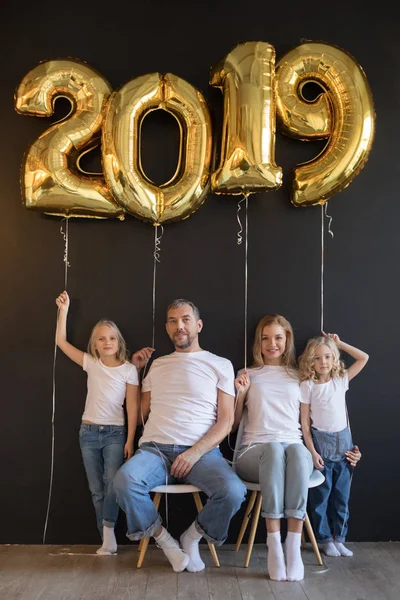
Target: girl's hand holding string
point(242, 382)
point(333, 336)
point(62, 301)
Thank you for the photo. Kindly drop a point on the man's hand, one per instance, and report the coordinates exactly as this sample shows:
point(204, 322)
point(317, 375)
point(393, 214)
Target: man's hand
point(353, 456)
point(184, 462)
point(141, 357)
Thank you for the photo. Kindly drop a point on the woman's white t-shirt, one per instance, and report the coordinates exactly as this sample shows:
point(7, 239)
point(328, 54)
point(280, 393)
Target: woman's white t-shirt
point(106, 391)
point(184, 391)
point(273, 406)
point(327, 403)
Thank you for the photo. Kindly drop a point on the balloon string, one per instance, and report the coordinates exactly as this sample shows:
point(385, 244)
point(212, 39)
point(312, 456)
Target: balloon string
point(322, 267)
point(246, 278)
point(330, 220)
point(65, 236)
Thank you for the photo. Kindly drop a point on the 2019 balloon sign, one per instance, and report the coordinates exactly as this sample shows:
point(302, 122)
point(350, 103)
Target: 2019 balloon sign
point(257, 95)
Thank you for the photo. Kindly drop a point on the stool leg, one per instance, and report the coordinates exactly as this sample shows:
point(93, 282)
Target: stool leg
point(246, 519)
point(253, 529)
point(145, 541)
point(211, 546)
point(313, 540)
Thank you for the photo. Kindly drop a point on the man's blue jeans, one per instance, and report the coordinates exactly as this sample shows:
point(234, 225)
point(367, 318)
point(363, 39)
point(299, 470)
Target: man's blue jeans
point(150, 466)
point(102, 449)
point(329, 502)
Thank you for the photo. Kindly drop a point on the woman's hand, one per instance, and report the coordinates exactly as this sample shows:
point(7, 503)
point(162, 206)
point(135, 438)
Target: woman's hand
point(317, 460)
point(141, 357)
point(63, 301)
point(353, 456)
point(242, 382)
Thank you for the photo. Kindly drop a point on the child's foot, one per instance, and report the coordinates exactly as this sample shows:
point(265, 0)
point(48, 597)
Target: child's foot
point(109, 542)
point(294, 562)
point(330, 549)
point(178, 559)
point(342, 549)
point(276, 560)
point(190, 544)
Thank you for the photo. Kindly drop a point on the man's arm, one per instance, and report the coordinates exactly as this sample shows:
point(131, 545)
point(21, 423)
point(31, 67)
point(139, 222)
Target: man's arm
point(185, 461)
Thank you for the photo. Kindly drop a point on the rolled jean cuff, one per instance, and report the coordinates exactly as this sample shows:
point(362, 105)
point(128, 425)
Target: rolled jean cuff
point(340, 540)
point(268, 515)
point(324, 541)
point(295, 514)
point(108, 524)
point(139, 535)
point(208, 537)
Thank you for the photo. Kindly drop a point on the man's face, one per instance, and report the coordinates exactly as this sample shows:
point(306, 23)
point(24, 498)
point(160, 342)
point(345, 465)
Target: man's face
point(182, 326)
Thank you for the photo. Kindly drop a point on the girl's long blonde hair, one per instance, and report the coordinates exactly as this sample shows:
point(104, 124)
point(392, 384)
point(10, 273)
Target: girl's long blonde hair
point(122, 353)
point(288, 358)
point(306, 360)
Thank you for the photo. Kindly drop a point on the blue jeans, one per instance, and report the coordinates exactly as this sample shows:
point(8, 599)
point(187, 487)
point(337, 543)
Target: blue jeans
point(329, 502)
point(150, 466)
point(102, 449)
point(283, 472)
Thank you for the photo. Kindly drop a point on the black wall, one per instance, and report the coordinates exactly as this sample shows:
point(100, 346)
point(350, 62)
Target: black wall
point(111, 261)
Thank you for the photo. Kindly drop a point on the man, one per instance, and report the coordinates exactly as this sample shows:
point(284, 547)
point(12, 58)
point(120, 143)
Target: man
point(188, 397)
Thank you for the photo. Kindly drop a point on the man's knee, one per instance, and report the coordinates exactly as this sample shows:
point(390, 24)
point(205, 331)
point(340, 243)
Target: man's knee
point(234, 492)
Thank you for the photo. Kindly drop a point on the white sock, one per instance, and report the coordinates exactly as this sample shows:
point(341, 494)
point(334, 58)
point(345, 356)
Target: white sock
point(276, 559)
point(294, 562)
point(342, 549)
point(190, 543)
point(330, 549)
point(109, 542)
point(178, 559)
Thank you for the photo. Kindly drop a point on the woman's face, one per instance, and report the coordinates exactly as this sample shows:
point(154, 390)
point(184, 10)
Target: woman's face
point(273, 344)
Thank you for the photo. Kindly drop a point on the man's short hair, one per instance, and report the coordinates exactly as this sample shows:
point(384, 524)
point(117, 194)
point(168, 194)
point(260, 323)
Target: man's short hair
point(180, 302)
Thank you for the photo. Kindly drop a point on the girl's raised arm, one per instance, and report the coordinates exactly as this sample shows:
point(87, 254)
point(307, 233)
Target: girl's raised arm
point(361, 358)
point(61, 333)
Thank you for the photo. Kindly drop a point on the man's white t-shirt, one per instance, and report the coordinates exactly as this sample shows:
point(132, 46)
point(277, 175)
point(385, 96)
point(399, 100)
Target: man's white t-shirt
point(106, 391)
point(184, 389)
point(273, 406)
point(328, 403)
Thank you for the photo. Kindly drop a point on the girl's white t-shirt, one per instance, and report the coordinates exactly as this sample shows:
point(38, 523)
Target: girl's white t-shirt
point(327, 402)
point(106, 391)
point(184, 392)
point(273, 406)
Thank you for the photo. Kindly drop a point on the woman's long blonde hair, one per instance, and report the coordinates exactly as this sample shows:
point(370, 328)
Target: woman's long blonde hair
point(306, 360)
point(288, 358)
point(122, 354)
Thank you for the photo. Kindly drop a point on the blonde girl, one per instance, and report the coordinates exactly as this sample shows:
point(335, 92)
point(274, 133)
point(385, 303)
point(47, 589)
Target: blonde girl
point(324, 382)
point(103, 440)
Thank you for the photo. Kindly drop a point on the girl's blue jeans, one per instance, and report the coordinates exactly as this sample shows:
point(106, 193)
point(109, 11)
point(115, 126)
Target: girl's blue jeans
point(102, 449)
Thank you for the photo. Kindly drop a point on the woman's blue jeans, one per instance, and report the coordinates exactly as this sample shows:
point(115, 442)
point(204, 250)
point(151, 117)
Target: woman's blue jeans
point(102, 449)
point(150, 467)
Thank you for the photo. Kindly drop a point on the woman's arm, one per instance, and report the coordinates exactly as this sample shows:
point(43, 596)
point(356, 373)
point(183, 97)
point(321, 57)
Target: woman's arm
point(306, 428)
point(132, 404)
point(61, 333)
point(242, 385)
point(361, 358)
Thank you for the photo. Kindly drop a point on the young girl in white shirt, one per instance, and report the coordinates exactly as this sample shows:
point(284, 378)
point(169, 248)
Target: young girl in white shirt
point(102, 435)
point(327, 435)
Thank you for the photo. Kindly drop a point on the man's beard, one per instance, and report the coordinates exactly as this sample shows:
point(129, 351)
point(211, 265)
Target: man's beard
point(184, 343)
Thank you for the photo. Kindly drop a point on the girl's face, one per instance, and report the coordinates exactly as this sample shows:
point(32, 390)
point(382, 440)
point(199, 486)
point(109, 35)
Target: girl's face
point(106, 341)
point(273, 344)
point(323, 361)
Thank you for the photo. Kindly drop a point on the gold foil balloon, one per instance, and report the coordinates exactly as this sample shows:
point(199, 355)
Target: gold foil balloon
point(184, 193)
point(52, 181)
point(344, 113)
point(247, 163)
